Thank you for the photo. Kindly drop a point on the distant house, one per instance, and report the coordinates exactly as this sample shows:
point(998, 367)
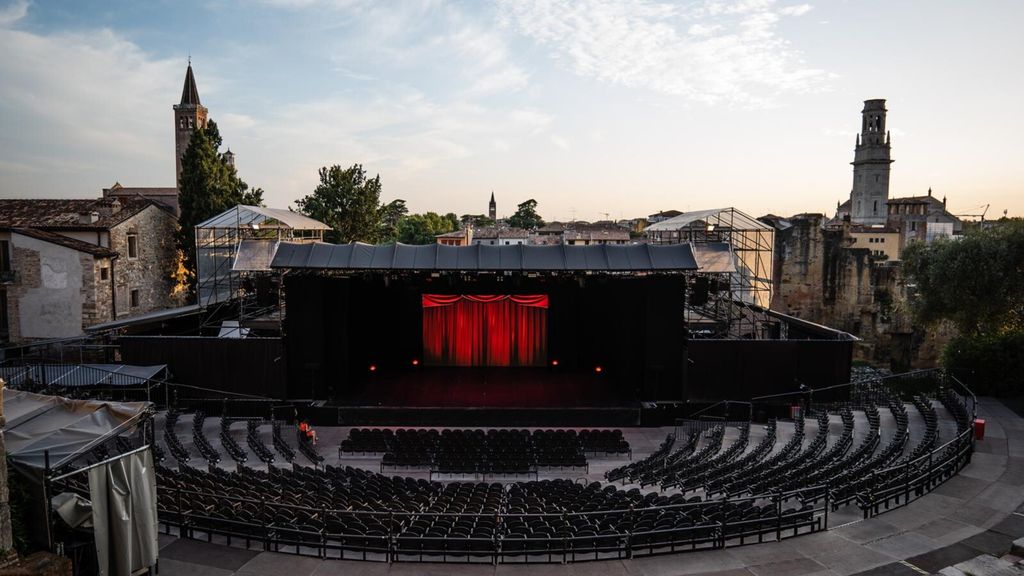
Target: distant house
point(882, 241)
point(499, 236)
point(662, 216)
point(456, 238)
point(594, 237)
point(69, 264)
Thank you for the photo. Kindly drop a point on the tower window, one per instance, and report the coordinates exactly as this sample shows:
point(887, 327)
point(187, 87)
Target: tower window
point(876, 177)
point(133, 245)
point(874, 208)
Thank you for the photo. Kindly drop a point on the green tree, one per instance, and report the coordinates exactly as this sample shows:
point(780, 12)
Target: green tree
point(476, 220)
point(208, 186)
point(423, 228)
point(391, 215)
point(977, 284)
point(348, 202)
point(526, 216)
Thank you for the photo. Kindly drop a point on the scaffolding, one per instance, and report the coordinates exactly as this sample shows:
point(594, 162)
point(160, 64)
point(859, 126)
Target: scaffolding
point(218, 239)
point(728, 296)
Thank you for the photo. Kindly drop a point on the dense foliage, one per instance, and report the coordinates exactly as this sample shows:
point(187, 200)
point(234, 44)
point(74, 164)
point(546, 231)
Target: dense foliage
point(977, 283)
point(526, 216)
point(349, 202)
point(209, 185)
point(423, 228)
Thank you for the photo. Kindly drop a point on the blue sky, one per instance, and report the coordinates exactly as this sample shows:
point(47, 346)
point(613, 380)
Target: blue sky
point(591, 107)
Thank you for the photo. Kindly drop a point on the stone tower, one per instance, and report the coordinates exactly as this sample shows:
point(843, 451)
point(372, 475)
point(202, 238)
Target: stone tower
point(492, 209)
point(189, 115)
point(871, 165)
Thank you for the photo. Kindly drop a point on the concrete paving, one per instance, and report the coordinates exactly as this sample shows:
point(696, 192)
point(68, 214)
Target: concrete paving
point(979, 512)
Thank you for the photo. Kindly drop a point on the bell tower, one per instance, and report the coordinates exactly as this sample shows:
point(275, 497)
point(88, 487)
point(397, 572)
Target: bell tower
point(872, 160)
point(189, 115)
point(492, 209)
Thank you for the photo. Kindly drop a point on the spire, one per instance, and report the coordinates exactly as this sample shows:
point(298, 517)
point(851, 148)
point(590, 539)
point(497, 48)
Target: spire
point(492, 196)
point(189, 93)
point(929, 191)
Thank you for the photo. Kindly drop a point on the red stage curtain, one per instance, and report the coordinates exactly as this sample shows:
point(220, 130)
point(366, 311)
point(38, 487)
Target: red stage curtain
point(485, 330)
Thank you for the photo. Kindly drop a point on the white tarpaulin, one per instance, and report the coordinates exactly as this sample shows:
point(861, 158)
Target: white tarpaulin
point(124, 519)
point(64, 428)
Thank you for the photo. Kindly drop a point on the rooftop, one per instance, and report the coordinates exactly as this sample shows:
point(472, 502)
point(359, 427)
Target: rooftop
point(64, 214)
point(54, 238)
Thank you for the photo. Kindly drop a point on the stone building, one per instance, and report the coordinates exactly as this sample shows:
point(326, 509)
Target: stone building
point(914, 218)
point(833, 276)
point(70, 264)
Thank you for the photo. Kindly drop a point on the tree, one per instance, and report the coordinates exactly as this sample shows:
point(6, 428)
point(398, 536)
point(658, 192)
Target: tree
point(209, 185)
point(977, 284)
point(423, 228)
point(526, 216)
point(476, 220)
point(348, 202)
point(391, 215)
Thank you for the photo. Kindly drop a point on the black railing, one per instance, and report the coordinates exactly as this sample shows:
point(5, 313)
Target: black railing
point(323, 533)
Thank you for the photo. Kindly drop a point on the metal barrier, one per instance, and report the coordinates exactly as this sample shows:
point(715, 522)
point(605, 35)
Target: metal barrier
point(321, 532)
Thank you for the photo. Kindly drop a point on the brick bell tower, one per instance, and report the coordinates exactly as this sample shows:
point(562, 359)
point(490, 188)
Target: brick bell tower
point(872, 160)
point(189, 115)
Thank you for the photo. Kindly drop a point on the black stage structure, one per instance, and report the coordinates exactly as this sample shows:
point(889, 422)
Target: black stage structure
point(614, 335)
point(616, 342)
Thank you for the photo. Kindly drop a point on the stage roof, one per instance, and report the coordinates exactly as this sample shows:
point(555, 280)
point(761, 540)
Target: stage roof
point(437, 257)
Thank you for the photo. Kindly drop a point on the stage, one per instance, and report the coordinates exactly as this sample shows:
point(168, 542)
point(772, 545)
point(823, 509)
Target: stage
point(446, 387)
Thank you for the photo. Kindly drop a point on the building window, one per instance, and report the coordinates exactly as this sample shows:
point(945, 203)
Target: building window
point(104, 273)
point(133, 245)
point(5, 256)
point(135, 298)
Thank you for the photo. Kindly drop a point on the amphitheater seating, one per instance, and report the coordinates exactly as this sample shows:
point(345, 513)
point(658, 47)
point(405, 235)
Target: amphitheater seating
point(704, 491)
point(462, 452)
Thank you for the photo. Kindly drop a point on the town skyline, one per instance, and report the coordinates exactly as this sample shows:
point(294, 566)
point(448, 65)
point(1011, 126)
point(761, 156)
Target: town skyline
point(716, 104)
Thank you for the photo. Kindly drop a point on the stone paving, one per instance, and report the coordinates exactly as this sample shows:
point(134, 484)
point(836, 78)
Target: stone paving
point(979, 512)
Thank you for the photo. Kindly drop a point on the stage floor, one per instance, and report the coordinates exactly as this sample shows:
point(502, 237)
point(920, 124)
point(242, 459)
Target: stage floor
point(490, 388)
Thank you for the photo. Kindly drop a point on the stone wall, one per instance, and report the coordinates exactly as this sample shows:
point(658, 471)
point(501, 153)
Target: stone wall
point(151, 272)
point(819, 277)
point(46, 298)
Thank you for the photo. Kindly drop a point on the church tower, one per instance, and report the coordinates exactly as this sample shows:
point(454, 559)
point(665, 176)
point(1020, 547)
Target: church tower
point(188, 116)
point(492, 209)
point(871, 165)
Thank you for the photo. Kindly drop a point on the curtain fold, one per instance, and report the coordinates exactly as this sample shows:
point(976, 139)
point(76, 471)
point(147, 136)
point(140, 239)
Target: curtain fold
point(485, 330)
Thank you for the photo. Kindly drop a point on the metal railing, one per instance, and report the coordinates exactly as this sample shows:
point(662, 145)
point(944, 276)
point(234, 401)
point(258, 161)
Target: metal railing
point(328, 533)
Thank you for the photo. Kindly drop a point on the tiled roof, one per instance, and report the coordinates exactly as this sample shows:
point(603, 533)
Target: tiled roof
point(492, 232)
point(64, 214)
point(54, 238)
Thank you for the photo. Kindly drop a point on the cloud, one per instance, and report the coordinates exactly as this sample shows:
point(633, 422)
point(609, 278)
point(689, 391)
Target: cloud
point(712, 51)
point(798, 10)
point(84, 106)
point(13, 12)
point(560, 142)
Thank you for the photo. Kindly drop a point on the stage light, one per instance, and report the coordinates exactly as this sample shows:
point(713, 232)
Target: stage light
point(373, 367)
point(598, 369)
point(554, 362)
point(415, 362)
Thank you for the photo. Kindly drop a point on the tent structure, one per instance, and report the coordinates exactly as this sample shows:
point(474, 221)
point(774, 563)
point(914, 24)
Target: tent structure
point(49, 438)
point(242, 239)
point(61, 429)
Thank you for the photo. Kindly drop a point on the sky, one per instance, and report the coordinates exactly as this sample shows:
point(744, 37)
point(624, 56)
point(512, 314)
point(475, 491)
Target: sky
point(596, 109)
